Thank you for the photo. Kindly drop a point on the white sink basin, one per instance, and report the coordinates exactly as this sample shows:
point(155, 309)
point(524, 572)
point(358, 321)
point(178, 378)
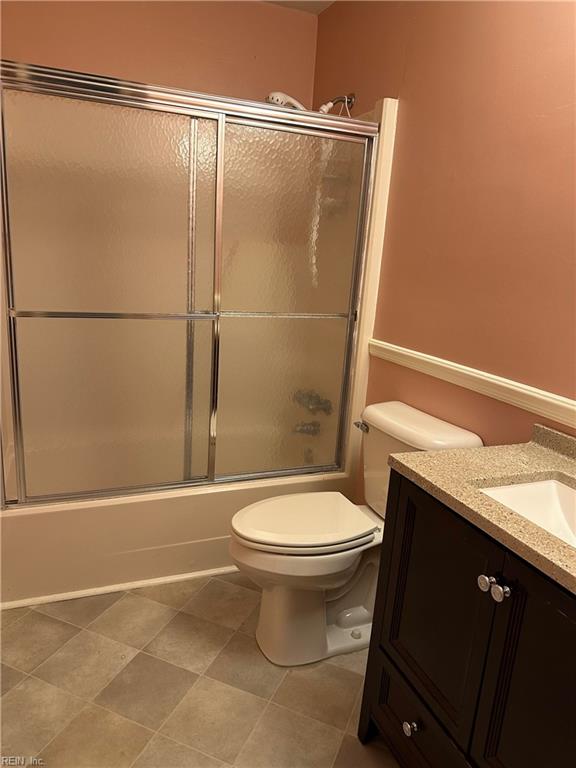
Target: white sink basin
point(548, 503)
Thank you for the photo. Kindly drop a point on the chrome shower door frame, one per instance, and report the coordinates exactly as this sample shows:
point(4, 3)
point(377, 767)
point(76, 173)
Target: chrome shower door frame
point(56, 82)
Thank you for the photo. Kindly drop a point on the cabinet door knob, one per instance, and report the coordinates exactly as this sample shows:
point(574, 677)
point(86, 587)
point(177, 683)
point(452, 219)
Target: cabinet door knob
point(485, 582)
point(499, 593)
point(409, 728)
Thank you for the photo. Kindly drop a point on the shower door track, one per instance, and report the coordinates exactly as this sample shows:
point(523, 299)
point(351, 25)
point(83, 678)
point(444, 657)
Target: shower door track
point(60, 82)
point(172, 315)
point(64, 83)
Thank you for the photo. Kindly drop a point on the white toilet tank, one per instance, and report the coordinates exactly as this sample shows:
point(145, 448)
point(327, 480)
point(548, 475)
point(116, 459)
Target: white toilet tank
point(395, 427)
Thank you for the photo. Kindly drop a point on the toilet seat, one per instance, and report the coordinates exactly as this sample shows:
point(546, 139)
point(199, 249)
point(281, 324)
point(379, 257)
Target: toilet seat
point(304, 524)
point(327, 549)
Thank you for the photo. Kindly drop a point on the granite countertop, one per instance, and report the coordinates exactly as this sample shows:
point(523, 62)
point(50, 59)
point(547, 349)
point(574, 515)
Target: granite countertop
point(455, 477)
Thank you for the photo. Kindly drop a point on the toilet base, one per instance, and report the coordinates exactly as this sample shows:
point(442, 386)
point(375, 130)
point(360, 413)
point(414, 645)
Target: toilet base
point(301, 626)
point(344, 641)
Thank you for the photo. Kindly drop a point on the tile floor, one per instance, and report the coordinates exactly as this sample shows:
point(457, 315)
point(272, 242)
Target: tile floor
point(171, 677)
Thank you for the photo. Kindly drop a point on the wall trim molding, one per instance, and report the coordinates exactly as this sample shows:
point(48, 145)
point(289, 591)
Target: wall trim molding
point(42, 599)
point(555, 407)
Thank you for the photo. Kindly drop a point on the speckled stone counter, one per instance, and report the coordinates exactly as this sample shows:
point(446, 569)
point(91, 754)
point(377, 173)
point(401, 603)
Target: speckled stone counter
point(455, 478)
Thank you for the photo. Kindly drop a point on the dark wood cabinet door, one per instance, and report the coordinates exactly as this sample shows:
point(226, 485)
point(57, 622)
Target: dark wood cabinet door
point(527, 711)
point(436, 622)
point(396, 706)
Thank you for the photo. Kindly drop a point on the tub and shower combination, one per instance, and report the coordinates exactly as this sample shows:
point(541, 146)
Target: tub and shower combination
point(182, 281)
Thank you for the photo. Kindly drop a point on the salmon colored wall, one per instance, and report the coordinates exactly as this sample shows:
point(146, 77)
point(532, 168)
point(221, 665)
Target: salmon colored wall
point(496, 422)
point(479, 264)
point(240, 49)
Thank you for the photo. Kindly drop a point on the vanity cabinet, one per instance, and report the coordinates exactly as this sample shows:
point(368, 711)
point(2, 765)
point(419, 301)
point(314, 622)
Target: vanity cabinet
point(527, 709)
point(462, 670)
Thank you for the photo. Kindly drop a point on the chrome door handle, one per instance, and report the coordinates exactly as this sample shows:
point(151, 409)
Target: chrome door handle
point(485, 582)
point(499, 593)
point(409, 728)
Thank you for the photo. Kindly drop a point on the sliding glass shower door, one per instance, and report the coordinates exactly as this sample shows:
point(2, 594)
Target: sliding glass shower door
point(292, 204)
point(180, 295)
point(111, 213)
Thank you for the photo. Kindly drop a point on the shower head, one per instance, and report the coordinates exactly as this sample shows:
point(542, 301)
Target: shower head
point(283, 100)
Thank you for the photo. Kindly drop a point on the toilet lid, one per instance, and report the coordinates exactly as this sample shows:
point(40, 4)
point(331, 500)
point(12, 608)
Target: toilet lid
point(303, 520)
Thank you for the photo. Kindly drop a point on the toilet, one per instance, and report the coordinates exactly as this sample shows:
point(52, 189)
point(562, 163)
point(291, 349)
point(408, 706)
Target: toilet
point(315, 555)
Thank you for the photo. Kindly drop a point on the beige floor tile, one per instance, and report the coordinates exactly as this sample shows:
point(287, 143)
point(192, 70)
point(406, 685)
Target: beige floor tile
point(28, 642)
point(32, 714)
point(133, 620)
point(9, 677)
point(215, 719)
point(11, 615)
point(248, 626)
point(322, 691)
point(165, 753)
point(242, 664)
point(86, 664)
point(174, 594)
point(284, 739)
point(354, 754)
point(147, 690)
point(81, 611)
point(189, 642)
point(239, 580)
point(355, 662)
point(222, 603)
point(96, 738)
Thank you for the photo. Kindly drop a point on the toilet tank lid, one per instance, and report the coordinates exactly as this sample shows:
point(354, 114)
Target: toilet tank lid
point(418, 429)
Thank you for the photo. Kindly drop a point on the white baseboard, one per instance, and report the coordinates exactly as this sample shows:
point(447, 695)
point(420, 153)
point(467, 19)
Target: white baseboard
point(555, 407)
point(116, 587)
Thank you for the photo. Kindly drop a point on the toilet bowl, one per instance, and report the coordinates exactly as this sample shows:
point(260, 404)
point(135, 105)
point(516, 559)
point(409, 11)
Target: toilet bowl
point(315, 555)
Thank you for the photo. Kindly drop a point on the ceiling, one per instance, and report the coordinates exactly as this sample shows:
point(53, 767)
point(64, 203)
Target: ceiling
point(310, 6)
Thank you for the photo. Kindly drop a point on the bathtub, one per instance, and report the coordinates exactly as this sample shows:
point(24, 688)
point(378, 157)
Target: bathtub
point(77, 548)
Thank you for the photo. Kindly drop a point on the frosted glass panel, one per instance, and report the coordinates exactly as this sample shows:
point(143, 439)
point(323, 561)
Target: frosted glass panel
point(100, 205)
point(103, 402)
point(291, 206)
point(279, 393)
